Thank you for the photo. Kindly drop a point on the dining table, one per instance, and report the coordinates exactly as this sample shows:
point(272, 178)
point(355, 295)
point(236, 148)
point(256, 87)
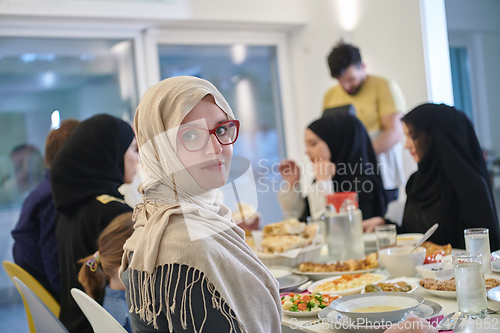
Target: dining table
point(489, 324)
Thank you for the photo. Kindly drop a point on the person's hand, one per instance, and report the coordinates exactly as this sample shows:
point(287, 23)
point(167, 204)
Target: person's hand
point(289, 171)
point(370, 224)
point(412, 325)
point(324, 170)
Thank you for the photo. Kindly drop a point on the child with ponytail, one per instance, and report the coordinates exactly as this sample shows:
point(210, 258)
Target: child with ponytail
point(99, 272)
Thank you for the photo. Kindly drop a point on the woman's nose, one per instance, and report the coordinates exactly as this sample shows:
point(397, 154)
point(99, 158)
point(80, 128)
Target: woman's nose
point(213, 146)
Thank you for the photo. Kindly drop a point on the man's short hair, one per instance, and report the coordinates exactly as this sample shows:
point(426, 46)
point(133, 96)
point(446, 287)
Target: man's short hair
point(342, 57)
point(56, 138)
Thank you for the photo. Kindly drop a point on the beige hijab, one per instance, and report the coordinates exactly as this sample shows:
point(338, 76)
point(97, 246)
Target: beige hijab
point(181, 223)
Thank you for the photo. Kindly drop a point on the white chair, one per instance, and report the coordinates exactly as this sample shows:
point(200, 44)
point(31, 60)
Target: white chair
point(43, 318)
point(99, 318)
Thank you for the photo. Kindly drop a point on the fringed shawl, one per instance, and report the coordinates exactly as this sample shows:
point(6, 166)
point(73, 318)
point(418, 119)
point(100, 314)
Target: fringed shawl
point(181, 223)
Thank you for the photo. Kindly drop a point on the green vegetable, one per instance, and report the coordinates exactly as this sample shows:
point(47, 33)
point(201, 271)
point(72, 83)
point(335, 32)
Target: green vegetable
point(294, 308)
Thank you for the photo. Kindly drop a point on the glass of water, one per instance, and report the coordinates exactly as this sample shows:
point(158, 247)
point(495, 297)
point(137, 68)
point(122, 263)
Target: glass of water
point(469, 283)
point(386, 236)
point(478, 240)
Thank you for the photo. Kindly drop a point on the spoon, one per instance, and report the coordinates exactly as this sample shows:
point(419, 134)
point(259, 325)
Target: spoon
point(427, 234)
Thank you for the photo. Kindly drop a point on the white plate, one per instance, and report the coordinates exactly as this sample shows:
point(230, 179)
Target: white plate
point(426, 310)
point(352, 291)
point(453, 294)
point(302, 313)
point(280, 271)
point(413, 282)
point(324, 275)
point(291, 282)
point(442, 293)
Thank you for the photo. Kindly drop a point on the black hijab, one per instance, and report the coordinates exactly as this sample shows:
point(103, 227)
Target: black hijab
point(90, 162)
point(451, 186)
point(352, 152)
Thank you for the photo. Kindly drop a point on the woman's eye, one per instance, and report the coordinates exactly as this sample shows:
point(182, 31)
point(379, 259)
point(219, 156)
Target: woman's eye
point(189, 135)
point(221, 131)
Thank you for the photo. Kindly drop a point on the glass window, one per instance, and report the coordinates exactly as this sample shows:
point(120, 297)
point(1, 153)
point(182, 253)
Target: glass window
point(43, 80)
point(247, 77)
point(460, 76)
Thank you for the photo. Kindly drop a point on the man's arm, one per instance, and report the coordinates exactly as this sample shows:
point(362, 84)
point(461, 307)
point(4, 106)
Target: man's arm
point(392, 132)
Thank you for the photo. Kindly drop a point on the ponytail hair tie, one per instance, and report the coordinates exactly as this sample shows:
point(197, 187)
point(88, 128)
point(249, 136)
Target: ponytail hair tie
point(94, 261)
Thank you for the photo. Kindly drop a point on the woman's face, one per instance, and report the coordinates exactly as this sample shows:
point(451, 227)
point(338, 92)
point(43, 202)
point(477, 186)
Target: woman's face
point(410, 144)
point(130, 162)
point(210, 166)
point(316, 148)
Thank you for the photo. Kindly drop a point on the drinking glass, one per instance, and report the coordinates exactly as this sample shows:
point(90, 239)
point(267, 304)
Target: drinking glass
point(478, 240)
point(469, 283)
point(386, 236)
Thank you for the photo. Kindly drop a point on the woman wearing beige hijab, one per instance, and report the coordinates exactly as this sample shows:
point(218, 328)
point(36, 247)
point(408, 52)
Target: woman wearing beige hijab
point(187, 267)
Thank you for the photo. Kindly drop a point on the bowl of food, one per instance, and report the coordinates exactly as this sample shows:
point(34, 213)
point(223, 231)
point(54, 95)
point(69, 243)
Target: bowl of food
point(408, 239)
point(400, 262)
point(377, 307)
point(305, 305)
point(440, 270)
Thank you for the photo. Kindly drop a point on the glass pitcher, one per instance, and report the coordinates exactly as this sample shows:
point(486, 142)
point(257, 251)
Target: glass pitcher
point(344, 231)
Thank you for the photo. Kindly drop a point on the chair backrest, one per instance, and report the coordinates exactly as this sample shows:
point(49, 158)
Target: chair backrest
point(99, 318)
point(14, 270)
point(43, 318)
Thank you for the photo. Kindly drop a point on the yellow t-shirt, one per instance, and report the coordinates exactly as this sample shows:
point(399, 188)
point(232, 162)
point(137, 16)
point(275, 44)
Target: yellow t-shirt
point(377, 97)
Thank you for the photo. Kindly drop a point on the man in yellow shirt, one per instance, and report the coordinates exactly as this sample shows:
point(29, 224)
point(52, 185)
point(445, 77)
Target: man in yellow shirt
point(379, 105)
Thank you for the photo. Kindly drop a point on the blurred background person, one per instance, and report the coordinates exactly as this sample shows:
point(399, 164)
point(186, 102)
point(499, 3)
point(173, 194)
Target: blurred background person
point(344, 161)
point(99, 272)
point(451, 186)
point(99, 156)
point(35, 245)
point(379, 104)
point(28, 167)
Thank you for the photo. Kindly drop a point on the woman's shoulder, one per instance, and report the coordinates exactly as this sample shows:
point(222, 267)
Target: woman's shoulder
point(101, 209)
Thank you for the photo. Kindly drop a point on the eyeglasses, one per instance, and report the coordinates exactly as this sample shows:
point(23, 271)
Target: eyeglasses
point(196, 138)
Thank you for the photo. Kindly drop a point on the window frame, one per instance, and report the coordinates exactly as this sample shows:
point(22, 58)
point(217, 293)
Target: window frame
point(285, 121)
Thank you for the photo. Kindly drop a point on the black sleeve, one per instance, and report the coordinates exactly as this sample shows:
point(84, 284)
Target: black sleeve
point(200, 301)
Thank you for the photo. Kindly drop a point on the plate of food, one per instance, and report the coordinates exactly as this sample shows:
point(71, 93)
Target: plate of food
point(446, 288)
point(305, 305)
point(436, 253)
point(345, 284)
point(287, 243)
point(401, 284)
point(316, 271)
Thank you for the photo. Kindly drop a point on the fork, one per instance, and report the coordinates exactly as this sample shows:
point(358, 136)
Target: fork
point(451, 321)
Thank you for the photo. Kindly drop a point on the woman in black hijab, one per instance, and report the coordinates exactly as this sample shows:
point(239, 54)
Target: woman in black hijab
point(451, 186)
point(99, 156)
point(343, 141)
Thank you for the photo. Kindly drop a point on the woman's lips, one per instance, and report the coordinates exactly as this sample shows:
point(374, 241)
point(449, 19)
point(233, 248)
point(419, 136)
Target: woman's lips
point(214, 166)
